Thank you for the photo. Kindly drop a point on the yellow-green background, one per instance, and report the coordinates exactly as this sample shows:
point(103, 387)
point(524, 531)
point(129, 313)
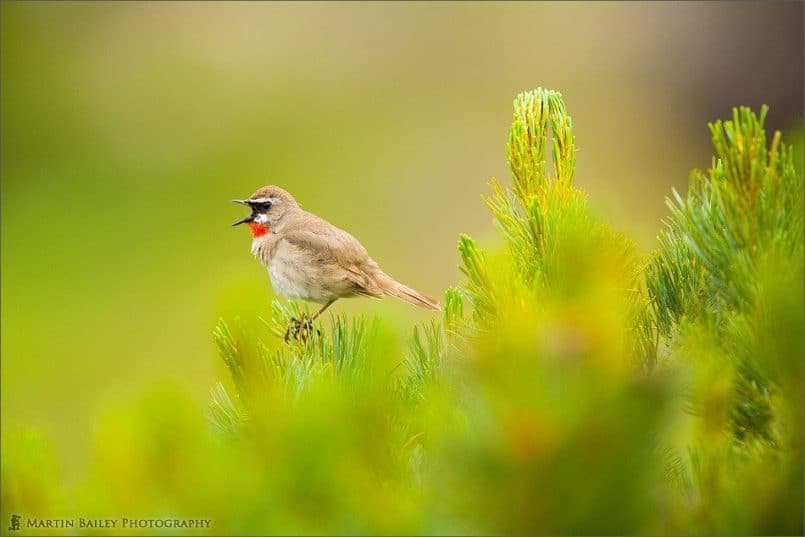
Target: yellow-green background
point(127, 127)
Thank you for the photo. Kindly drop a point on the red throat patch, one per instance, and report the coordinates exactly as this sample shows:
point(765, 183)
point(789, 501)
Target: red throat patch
point(258, 230)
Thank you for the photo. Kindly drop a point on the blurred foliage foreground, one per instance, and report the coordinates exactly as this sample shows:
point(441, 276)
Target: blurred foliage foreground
point(573, 385)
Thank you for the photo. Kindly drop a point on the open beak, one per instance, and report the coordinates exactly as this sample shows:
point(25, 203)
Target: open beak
point(246, 219)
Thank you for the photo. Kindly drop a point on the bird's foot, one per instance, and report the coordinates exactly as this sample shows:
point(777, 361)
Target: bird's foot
point(300, 329)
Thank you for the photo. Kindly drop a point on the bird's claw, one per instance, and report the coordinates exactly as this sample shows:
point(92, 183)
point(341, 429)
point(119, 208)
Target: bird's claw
point(300, 329)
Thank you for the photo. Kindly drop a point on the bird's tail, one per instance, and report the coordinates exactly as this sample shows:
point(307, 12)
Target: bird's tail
point(412, 296)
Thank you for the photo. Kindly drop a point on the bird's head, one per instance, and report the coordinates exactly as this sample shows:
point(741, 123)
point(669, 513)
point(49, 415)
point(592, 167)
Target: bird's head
point(270, 207)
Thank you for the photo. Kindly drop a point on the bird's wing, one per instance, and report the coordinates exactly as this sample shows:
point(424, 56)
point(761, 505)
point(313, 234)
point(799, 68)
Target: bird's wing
point(330, 245)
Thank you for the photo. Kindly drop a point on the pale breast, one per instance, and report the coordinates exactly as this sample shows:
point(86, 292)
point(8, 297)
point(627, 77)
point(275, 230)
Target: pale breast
point(294, 275)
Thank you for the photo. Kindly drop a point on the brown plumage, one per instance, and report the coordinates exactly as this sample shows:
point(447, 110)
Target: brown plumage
point(310, 259)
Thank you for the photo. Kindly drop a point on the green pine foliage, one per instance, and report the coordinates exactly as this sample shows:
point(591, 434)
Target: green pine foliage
point(572, 384)
point(726, 293)
point(745, 212)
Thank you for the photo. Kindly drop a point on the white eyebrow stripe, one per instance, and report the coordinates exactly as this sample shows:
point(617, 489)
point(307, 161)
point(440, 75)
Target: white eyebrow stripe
point(260, 200)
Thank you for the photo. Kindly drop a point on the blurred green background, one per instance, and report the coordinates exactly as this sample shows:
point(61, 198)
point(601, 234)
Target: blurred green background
point(127, 127)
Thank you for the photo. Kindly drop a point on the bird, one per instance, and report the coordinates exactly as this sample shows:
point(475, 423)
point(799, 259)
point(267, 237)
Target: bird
point(309, 258)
